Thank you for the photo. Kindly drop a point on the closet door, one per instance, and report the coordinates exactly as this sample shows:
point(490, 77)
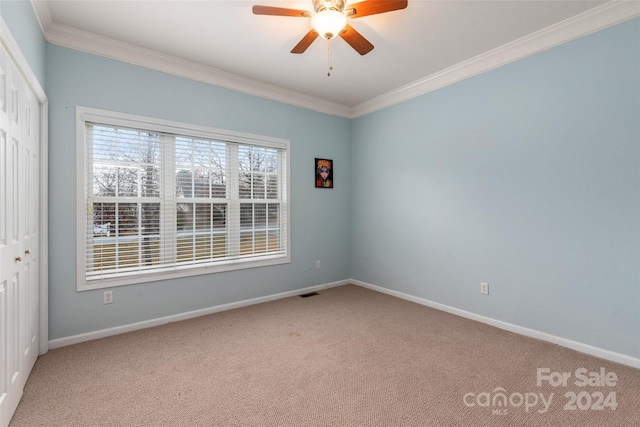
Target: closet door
point(19, 234)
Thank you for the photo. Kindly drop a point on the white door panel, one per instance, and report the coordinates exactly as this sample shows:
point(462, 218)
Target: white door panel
point(19, 235)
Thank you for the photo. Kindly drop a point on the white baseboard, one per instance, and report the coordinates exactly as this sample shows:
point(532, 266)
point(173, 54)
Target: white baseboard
point(612, 356)
point(102, 333)
point(574, 345)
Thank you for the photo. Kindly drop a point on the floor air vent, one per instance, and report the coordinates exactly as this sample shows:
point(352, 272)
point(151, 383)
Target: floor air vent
point(310, 294)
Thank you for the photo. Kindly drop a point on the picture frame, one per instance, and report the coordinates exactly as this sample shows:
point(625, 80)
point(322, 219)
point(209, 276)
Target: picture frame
point(324, 173)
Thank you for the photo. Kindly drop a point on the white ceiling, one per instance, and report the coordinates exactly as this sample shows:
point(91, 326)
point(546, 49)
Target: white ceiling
point(410, 45)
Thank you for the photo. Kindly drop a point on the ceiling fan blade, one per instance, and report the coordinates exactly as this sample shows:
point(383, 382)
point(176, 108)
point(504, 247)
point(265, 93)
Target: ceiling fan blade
point(280, 11)
point(305, 42)
point(356, 40)
point(372, 7)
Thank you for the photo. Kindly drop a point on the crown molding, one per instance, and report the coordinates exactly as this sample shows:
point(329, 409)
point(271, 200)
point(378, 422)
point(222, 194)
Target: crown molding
point(598, 18)
point(43, 14)
point(588, 22)
point(73, 38)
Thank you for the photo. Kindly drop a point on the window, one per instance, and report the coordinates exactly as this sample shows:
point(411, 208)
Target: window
point(161, 200)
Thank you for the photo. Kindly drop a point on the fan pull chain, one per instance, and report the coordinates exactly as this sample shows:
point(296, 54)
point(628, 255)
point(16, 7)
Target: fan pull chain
point(330, 67)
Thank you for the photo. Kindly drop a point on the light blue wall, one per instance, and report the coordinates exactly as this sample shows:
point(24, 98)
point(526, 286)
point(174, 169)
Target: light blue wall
point(319, 218)
point(528, 177)
point(25, 30)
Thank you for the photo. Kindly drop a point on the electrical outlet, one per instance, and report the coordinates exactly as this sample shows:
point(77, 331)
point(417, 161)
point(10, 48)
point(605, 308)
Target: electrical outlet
point(108, 297)
point(484, 288)
point(318, 264)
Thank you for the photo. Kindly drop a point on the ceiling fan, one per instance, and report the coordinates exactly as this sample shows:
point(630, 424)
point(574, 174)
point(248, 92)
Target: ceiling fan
point(329, 19)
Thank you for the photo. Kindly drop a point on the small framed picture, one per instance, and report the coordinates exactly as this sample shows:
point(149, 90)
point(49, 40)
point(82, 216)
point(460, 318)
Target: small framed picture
point(324, 173)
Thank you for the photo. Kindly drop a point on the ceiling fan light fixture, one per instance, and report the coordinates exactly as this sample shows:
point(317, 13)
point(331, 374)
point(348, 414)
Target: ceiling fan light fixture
point(329, 23)
point(329, 20)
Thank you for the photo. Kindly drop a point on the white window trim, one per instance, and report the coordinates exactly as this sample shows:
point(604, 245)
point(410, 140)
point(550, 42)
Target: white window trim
point(85, 114)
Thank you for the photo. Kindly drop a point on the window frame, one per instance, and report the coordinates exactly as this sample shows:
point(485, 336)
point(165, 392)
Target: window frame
point(112, 118)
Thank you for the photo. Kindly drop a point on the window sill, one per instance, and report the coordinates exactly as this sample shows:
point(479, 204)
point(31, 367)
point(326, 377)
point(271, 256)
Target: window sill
point(178, 272)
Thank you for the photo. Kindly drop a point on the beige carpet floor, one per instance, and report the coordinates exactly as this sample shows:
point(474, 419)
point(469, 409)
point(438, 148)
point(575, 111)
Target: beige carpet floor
point(348, 356)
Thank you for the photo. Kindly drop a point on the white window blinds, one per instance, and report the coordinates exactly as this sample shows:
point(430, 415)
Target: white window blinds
point(162, 204)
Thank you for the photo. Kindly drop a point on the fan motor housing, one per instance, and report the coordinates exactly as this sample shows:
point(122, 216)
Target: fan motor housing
point(320, 5)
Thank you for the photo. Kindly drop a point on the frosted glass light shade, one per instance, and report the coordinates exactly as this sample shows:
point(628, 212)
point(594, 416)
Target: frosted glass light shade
point(328, 23)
